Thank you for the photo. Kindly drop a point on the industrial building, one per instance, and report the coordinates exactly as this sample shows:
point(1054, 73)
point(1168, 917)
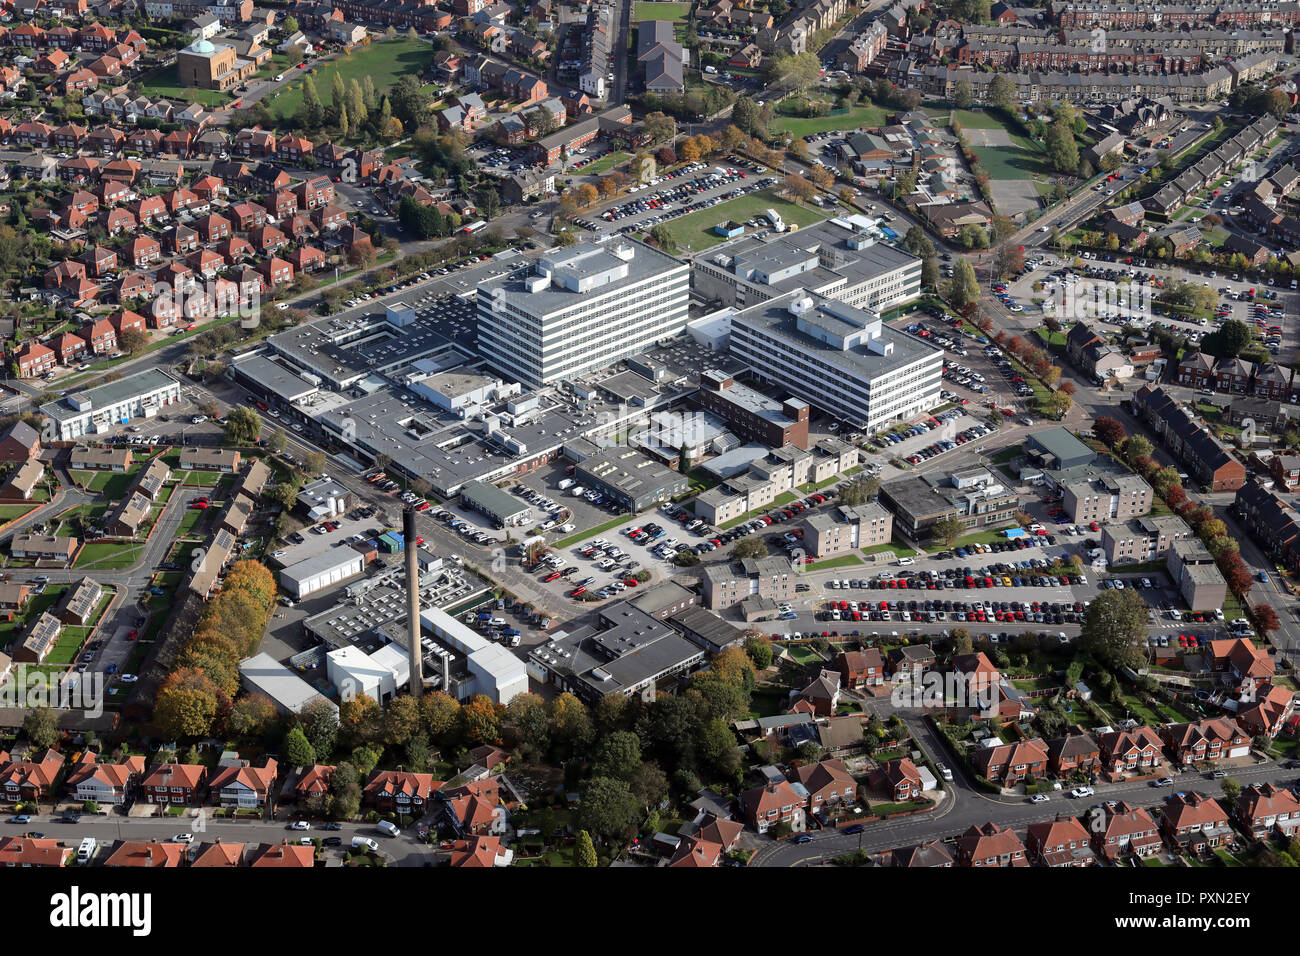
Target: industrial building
point(290, 692)
point(379, 675)
point(631, 653)
point(489, 669)
point(501, 507)
point(581, 308)
point(842, 359)
point(630, 478)
point(321, 571)
point(93, 411)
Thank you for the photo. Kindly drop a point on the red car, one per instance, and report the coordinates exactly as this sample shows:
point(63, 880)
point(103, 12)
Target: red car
point(578, 591)
point(631, 582)
point(199, 505)
point(552, 576)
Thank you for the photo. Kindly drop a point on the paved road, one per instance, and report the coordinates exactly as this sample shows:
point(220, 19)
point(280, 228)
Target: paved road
point(403, 850)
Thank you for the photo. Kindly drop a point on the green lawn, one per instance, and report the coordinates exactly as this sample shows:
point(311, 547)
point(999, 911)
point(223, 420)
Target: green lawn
point(604, 164)
point(977, 119)
point(383, 62)
point(166, 82)
point(860, 116)
point(898, 549)
point(583, 535)
point(205, 478)
point(659, 11)
point(191, 518)
point(695, 232)
point(10, 513)
point(113, 484)
point(981, 537)
point(843, 561)
point(782, 499)
point(107, 557)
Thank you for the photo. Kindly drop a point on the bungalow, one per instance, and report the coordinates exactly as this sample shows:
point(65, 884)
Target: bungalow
point(18, 851)
point(97, 458)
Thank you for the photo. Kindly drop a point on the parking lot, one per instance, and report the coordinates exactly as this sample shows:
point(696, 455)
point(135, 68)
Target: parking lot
point(678, 193)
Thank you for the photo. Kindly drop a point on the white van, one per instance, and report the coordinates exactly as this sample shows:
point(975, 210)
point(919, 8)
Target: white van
point(86, 850)
point(389, 829)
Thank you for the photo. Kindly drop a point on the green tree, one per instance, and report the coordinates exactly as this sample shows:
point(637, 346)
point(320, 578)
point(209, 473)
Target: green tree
point(243, 424)
point(619, 756)
point(356, 103)
point(40, 726)
point(1229, 340)
point(320, 724)
point(311, 114)
point(290, 26)
point(750, 548)
point(344, 792)
point(1002, 93)
point(663, 236)
point(759, 649)
point(930, 272)
point(584, 851)
point(965, 286)
point(1062, 149)
point(963, 96)
point(402, 720)
point(948, 530)
point(1113, 624)
point(608, 809)
point(298, 751)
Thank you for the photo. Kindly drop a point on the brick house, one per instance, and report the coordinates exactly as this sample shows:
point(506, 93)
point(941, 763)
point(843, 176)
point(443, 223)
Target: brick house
point(1194, 822)
point(399, 791)
point(243, 786)
point(174, 783)
point(1012, 764)
point(1077, 752)
point(990, 846)
point(1205, 741)
point(1264, 809)
point(1129, 750)
point(1063, 842)
point(861, 668)
point(898, 778)
point(1124, 830)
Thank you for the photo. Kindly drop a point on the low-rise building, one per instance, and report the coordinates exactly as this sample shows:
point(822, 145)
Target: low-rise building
point(847, 528)
point(1142, 539)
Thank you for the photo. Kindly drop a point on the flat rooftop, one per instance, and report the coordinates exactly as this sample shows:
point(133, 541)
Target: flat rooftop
point(774, 320)
point(286, 385)
point(109, 394)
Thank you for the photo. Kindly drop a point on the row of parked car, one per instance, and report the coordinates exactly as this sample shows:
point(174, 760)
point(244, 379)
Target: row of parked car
point(462, 527)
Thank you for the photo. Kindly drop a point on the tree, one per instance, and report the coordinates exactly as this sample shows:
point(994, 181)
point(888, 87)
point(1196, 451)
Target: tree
point(480, 721)
point(314, 463)
point(1057, 405)
point(356, 103)
point(948, 530)
point(250, 715)
point(1010, 260)
point(795, 72)
point(584, 851)
point(1266, 619)
point(963, 96)
point(1002, 93)
point(930, 272)
point(344, 792)
point(663, 236)
point(1109, 431)
point(750, 548)
point(608, 809)
point(745, 113)
point(243, 424)
point(799, 188)
point(299, 752)
point(132, 340)
point(441, 713)
point(1228, 340)
point(290, 26)
point(311, 113)
point(320, 725)
point(186, 704)
point(1113, 624)
point(402, 720)
point(1231, 790)
point(276, 441)
point(660, 127)
point(759, 649)
point(1135, 447)
point(40, 726)
point(619, 756)
point(972, 236)
point(1062, 149)
point(965, 286)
